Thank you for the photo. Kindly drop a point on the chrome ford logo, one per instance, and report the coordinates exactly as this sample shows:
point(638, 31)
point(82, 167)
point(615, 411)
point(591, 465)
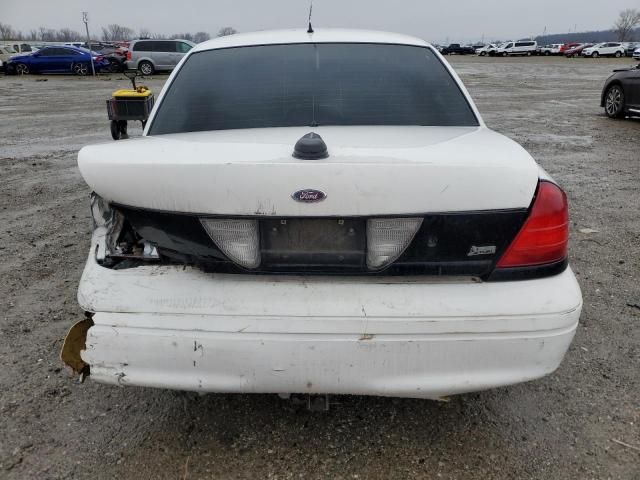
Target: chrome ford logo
point(309, 196)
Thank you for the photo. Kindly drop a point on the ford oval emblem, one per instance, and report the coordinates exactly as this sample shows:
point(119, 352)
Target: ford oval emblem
point(309, 195)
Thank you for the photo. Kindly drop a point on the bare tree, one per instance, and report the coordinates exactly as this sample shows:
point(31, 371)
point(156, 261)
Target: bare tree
point(145, 33)
point(47, 34)
point(182, 36)
point(68, 35)
point(6, 32)
point(625, 24)
point(200, 37)
point(224, 31)
point(116, 32)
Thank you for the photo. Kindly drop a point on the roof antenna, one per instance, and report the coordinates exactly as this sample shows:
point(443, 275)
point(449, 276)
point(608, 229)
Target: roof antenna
point(310, 29)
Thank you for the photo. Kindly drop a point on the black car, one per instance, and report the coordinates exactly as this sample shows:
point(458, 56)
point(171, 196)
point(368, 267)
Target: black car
point(457, 49)
point(621, 93)
point(631, 47)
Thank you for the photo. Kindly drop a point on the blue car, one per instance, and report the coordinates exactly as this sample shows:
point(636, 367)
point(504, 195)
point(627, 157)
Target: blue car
point(56, 59)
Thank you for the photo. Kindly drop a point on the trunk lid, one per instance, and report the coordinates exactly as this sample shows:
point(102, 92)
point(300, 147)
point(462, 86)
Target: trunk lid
point(370, 171)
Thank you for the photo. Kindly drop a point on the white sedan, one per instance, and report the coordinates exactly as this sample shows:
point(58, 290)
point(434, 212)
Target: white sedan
point(327, 214)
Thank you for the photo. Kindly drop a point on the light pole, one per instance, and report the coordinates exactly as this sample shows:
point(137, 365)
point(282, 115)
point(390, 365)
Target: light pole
point(85, 19)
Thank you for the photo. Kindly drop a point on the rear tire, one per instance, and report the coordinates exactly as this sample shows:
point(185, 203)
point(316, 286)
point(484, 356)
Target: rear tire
point(614, 102)
point(146, 68)
point(618, 55)
point(21, 69)
point(81, 69)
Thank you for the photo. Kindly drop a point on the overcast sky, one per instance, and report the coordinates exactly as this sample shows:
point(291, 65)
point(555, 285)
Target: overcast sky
point(454, 20)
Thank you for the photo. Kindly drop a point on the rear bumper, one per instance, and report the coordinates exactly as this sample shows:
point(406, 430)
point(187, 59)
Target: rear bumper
point(180, 328)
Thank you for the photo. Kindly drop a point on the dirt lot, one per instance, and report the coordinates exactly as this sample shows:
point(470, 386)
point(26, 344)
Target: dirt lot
point(567, 425)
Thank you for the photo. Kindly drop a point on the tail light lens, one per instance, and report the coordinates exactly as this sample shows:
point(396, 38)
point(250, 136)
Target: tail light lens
point(128, 55)
point(544, 237)
point(387, 238)
point(238, 239)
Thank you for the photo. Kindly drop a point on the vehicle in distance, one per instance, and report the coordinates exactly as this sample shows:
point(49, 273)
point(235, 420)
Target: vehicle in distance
point(636, 54)
point(56, 59)
point(553, 49)
point(6, 52)
point(631, 47)
point(576, 50)
point(150, 56)
point(607, 49)
point(490, 50)
point(114, 54)
point(457, 49)
point(521, 47)
point(326, 214)
point(621, 93)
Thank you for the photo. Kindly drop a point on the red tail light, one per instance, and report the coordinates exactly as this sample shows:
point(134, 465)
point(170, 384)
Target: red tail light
point(128, 55)
point(544, 237)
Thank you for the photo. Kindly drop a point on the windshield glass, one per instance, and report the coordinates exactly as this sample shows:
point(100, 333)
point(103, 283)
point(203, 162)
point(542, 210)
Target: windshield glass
point(311, 85)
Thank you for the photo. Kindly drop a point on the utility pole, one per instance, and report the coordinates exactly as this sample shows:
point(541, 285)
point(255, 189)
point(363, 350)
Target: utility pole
point(85, 19)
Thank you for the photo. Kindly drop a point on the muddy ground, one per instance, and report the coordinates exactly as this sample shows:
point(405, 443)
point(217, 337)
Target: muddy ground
point(566, 426)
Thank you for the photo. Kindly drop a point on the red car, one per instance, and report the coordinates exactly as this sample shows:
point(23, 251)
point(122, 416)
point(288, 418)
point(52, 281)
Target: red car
point(576, 50)
point(568, 46)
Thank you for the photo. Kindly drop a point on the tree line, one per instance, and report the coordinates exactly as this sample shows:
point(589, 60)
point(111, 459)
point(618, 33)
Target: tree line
point(110, 33)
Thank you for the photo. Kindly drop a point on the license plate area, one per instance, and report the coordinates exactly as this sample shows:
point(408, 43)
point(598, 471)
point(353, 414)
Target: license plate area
point(309, 244)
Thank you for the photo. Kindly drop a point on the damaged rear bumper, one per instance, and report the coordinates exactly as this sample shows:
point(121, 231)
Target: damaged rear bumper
point(175, 327)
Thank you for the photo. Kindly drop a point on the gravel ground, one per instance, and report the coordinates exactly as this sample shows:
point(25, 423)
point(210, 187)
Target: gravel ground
point(567, 425)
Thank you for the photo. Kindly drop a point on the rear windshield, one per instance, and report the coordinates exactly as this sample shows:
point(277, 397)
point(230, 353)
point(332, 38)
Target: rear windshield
point(311, 85)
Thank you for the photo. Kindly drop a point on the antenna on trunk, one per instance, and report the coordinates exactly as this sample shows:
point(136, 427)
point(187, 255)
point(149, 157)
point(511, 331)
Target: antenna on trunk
point(310, 29)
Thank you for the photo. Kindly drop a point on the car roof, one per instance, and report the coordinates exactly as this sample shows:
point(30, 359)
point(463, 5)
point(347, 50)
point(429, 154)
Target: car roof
point(320, 35)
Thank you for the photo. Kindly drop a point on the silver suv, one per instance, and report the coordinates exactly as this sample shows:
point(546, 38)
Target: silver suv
point(150, 56)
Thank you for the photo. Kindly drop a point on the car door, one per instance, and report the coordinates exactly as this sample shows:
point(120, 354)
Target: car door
point(607, 49)
point(182, 48)
point(631, 86)
point(162, 54)
point(66, 58)
point(41, 61)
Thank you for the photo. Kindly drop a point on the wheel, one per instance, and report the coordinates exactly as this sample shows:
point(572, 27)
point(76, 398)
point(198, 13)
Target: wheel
point(595, 55)
point(81, 69)
point(614, 102)
point(115, 130)
point(547, 53)
point(618, 54)
point(482, 54)
point(122, 126)
point(21, 69)
point(505, 54)
point(528, 54)
point(146, 68)
point(109, 67)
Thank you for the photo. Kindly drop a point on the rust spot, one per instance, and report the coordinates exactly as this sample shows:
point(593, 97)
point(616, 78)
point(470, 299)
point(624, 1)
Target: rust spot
point(366, 336)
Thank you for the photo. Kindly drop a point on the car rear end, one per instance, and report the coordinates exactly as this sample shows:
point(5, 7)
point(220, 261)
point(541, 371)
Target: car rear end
point(403, 249)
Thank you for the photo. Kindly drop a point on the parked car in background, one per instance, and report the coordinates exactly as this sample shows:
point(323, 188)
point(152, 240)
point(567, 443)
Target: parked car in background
point(521, 47)
point(322, 213)
point(568, 46)
point(553, 49)
point(630, 48)
point(576, 50)
point(24, 48)
point(636, 54)
point(490, 50)
point(457, 49)
point(150, 56)
point(606, 49)
point(114, 54)
point(6, 52)
point(56, 59)
point(621, 93)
